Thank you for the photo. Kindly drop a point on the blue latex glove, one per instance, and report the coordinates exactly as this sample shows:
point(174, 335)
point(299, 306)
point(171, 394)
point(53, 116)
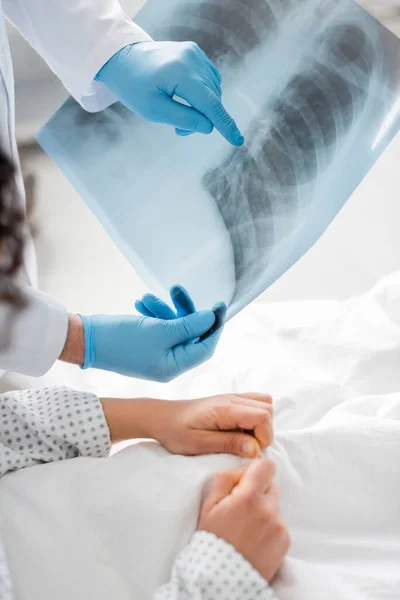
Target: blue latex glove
point(148, 348)
point(151, 306)
point(147, 75)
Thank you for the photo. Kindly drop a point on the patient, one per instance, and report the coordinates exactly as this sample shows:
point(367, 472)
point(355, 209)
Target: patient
point(125, 526)
point(240, 519)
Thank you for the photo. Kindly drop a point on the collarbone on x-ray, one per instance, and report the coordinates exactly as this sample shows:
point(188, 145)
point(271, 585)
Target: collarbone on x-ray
point(314, 86)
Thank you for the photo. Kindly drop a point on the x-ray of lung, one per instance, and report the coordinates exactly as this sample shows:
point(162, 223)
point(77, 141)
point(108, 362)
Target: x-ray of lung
point(315, 88)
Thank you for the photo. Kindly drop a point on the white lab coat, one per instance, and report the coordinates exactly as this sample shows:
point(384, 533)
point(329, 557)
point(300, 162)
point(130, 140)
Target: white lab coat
point(76, 38)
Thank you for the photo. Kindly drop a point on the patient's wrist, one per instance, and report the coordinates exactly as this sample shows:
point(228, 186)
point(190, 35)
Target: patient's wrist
point(132, 418)
point(74, 348)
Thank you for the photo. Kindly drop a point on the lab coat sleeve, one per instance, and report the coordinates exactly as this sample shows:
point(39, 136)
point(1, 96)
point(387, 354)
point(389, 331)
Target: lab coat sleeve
point(33, 336)
point(210, 568)
point(76, 38)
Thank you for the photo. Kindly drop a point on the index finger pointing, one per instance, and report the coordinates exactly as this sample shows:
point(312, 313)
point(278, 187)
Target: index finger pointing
point(205, 101)
point(222, 121)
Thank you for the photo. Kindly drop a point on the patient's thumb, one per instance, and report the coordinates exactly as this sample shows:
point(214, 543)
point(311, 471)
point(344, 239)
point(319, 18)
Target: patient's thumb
point(220, 486)
point(228, 442)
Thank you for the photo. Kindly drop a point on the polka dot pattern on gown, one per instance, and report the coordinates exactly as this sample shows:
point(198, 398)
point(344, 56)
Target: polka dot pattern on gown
point(45, 425)
point(56, 423)
point(50, 424)
point(211, 569)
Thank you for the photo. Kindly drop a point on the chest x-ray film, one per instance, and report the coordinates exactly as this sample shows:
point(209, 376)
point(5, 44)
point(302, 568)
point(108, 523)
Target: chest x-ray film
point(314, 85)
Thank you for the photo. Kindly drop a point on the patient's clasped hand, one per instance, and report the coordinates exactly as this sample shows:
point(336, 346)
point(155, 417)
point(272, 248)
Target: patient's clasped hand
point(240, 518)
point(204, 426)
point(242, 506)
point(243, 509)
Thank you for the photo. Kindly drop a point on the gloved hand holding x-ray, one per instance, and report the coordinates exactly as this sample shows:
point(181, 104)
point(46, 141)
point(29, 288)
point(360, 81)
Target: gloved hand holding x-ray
point(147, 75)
point(158, 348)
point(313, 85)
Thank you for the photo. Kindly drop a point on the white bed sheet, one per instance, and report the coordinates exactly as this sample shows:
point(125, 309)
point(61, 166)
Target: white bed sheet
point(111, 528)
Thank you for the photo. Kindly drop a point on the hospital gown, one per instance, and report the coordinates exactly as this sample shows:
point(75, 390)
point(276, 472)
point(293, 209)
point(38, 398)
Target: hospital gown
point(57, 423)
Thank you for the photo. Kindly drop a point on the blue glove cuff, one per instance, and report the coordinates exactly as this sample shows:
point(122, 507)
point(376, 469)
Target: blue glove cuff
point(89, 342)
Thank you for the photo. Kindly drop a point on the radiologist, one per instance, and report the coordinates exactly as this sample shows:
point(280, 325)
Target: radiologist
point(101, 56)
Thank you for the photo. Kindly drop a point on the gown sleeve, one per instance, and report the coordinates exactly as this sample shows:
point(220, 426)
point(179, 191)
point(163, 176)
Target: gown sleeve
point(46, 425)
point(210, 568)
point(50, 424)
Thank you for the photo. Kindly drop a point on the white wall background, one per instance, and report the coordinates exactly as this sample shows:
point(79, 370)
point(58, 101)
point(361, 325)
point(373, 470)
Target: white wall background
point(80, 266)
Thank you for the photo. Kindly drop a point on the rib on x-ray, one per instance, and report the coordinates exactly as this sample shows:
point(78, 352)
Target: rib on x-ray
point(315, 87)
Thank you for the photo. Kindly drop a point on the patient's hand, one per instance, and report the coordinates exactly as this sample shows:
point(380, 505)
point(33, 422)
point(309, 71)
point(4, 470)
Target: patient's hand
point(242, 508)
point(238, 424)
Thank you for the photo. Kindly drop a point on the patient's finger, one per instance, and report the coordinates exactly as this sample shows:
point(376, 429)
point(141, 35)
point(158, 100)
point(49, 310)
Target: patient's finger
point(222, 485)
point(272, 499)
point(256, 396)
point(257, 477)
point(229, 442)
point(257, 420)
point(254, 403)
point(264, 432)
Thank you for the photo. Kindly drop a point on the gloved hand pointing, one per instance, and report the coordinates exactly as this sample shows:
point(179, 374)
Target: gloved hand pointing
point(146, 347)
point(147, 75)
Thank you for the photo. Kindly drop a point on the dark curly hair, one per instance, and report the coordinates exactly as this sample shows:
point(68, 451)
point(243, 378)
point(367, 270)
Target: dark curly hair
point(12, 235)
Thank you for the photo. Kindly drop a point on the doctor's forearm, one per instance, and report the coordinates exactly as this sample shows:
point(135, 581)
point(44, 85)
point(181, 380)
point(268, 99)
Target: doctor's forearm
point(126, 418)
point(74, 348)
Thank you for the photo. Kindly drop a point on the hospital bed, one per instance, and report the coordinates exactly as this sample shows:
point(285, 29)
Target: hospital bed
point(110, 528)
